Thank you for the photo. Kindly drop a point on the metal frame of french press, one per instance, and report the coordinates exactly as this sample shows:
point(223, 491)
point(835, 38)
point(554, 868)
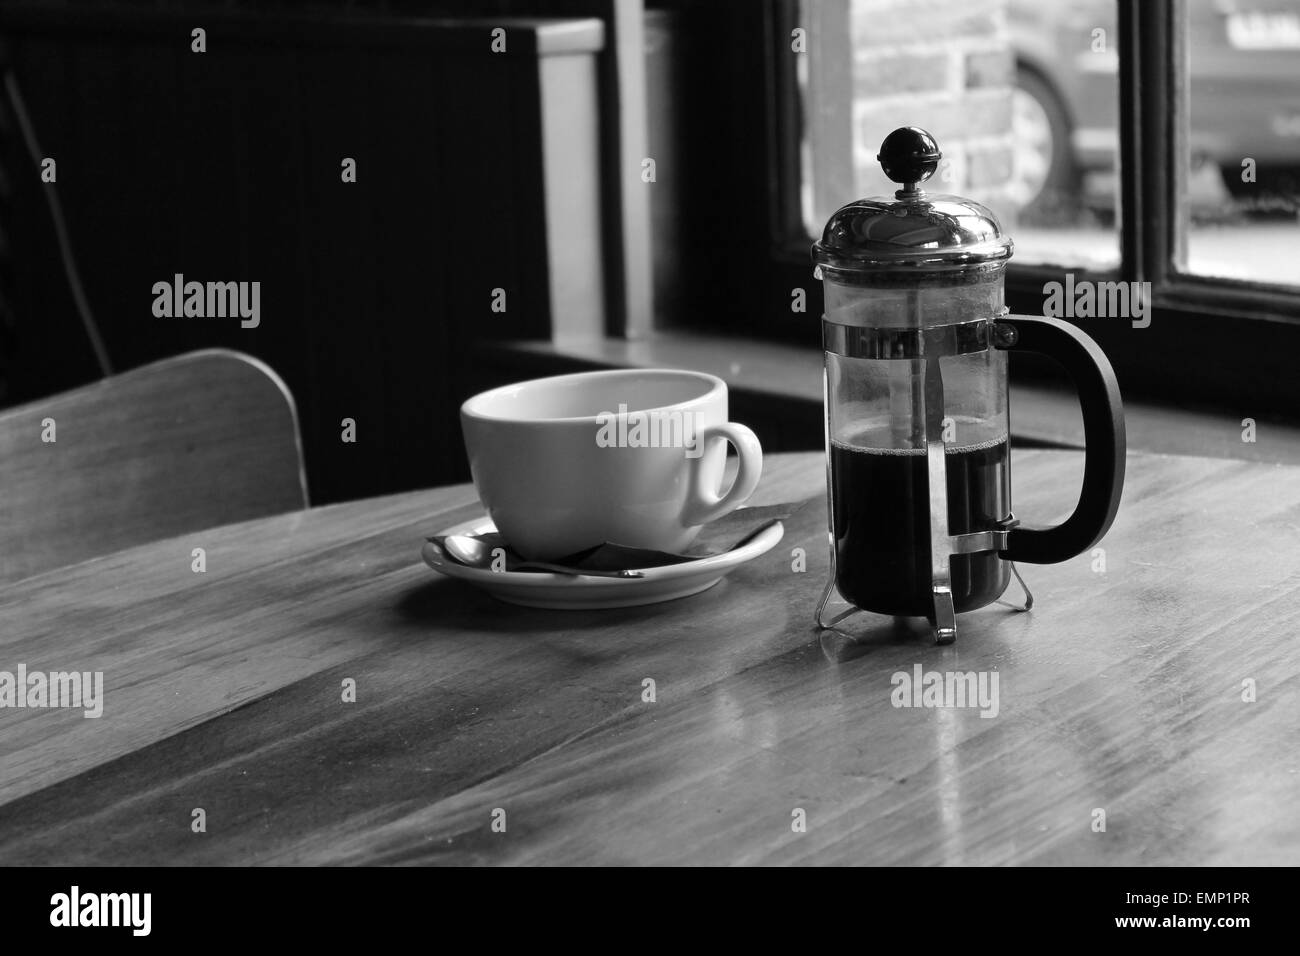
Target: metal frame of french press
point(923, 348)
point(910, 161)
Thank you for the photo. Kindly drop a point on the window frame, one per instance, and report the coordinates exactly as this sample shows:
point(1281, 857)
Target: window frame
point(1182, 356)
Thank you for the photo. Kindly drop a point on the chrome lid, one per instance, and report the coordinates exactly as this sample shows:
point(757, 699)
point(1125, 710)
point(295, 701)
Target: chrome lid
point(913, 230)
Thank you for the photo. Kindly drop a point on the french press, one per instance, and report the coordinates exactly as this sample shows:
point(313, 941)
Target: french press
point(915, 335)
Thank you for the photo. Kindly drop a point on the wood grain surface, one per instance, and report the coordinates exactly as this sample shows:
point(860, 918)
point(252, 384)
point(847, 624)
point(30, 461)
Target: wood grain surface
point(1122, 691)
point(195, 441)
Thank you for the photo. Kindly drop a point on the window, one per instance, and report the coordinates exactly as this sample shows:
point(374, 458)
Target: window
point(1024, 98)
point(1022, 95)
point(1241, 211)
point(1224, 329)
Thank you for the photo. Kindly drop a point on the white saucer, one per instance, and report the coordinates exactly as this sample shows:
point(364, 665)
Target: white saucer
point(575, 592)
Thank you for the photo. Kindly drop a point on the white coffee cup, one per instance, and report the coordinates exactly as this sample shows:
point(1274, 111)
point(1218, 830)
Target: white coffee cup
point(634, 457)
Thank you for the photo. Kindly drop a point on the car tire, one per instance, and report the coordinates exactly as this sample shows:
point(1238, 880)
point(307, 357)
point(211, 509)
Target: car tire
point(1271, 196)
point(1045, 177)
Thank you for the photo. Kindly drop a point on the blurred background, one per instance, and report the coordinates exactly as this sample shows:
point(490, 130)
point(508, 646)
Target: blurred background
point(635, 182)
point(1027, 94)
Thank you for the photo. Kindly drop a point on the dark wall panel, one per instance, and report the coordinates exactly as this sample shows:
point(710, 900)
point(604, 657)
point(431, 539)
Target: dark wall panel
point(225, 166)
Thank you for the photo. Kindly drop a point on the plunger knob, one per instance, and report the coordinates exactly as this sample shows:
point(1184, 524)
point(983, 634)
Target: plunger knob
point(909, 155)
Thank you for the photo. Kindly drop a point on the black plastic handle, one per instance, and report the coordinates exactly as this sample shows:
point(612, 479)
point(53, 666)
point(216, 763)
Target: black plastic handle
point(1103, 433)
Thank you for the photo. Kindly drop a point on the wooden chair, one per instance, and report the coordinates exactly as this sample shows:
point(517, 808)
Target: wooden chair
point(190, 442)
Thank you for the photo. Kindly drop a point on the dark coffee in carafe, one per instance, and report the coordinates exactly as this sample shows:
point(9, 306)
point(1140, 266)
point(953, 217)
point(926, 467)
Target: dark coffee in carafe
point(881, 524)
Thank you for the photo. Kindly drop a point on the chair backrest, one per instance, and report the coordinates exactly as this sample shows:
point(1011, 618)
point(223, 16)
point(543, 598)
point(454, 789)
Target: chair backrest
point(184, 444)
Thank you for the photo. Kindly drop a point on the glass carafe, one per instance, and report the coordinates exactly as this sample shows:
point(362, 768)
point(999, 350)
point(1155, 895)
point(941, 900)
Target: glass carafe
point(915, 335)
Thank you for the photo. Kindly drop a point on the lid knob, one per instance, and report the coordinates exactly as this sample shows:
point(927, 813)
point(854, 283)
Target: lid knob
point(909, 155)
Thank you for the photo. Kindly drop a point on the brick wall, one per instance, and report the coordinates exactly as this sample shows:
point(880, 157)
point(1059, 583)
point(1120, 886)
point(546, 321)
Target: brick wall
point(946, 66)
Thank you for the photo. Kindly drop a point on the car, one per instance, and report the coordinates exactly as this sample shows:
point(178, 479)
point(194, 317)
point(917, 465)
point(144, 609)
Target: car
point(1244, 102)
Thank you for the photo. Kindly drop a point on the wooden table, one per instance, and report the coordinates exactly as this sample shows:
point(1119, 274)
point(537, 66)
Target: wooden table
point(1122, 690)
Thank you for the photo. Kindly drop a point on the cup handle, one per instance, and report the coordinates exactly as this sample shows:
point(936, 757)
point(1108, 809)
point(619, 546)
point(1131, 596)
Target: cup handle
point(1103, 437)
point(706, 504)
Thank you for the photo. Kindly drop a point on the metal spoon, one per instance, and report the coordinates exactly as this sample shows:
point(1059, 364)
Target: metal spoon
point(475, 553)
